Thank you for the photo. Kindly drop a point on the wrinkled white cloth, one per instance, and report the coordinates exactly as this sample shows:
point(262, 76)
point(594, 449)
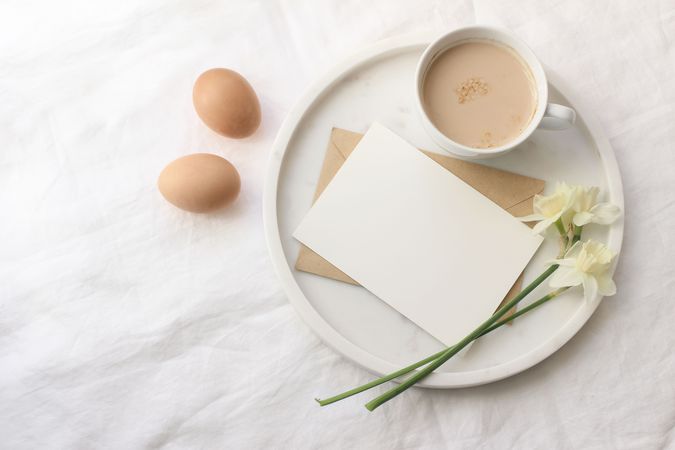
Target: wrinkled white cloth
point(126, 323)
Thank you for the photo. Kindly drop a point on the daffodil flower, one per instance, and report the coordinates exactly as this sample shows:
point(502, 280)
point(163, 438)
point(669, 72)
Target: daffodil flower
point(571, 204)
point(549, 208)
point(586, 264)
point(587, 210)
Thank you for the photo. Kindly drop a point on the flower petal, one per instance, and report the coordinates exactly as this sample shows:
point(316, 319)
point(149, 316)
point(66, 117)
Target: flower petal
point(566, 276)
point(552, 206)
point(542, 226)
point(590, 287)
point(584, 198)
point(606, 285)
point(574, 250)
point(566, 262)
point(605, 213)
point(582, 218)
point(601, 253)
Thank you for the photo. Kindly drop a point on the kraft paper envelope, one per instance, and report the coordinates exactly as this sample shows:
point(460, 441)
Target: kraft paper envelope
point(510, 191)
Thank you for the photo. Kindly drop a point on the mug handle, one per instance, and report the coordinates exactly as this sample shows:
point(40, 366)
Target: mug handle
point(557, 117)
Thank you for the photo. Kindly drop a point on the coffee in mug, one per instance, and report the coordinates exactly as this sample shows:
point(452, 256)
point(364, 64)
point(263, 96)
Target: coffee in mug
point(480, 93)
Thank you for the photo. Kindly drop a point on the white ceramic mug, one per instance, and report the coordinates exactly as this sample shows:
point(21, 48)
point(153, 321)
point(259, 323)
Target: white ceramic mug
point(547, 115)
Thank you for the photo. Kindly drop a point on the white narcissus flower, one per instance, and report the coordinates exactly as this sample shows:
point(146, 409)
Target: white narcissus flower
point(587, 210)
point(549, 208)
point(575, 204)
point(586, 264)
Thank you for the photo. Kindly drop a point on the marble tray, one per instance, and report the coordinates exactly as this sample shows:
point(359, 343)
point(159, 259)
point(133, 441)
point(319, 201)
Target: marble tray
point(377, 84)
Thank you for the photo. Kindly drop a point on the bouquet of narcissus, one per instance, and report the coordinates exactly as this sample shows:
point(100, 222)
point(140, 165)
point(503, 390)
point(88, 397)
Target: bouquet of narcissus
point(579, 263)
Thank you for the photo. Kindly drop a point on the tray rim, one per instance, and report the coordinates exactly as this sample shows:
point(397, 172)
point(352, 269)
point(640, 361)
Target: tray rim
point(330, 336)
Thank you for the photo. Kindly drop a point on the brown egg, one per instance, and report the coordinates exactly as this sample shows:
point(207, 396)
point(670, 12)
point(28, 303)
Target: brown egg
point(226, 103)
point(199, 183)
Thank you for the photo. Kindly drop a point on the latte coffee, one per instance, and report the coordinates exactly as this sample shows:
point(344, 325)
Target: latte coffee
point(480, 94)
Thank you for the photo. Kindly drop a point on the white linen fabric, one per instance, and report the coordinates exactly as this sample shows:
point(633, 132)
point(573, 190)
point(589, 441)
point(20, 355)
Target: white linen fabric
point(126, 323)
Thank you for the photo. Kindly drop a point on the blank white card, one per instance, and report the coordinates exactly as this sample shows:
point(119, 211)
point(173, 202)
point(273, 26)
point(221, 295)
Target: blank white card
point(417, 237)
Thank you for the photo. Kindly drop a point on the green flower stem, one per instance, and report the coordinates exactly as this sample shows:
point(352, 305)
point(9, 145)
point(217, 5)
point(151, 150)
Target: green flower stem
point(528, 308)
point(380, 380)
point(577, 234)
point(433, 357)
point(452, 351)
point(564, 235)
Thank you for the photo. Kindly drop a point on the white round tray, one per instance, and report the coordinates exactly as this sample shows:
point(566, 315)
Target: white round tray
point(377, 84)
